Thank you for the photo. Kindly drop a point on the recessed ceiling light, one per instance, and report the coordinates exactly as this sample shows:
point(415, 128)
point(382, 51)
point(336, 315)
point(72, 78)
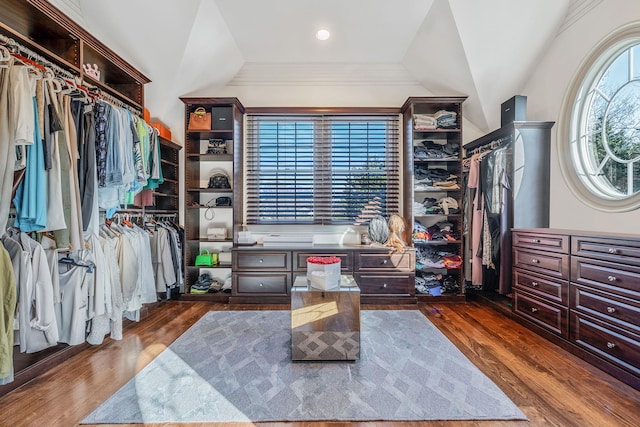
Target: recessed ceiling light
point(323, 34)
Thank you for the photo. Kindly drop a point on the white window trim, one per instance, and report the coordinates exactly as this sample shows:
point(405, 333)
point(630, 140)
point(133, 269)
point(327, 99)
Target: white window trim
point(593, 61)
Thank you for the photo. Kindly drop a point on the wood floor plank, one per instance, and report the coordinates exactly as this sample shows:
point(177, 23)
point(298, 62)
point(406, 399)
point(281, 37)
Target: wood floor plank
point(550, 385)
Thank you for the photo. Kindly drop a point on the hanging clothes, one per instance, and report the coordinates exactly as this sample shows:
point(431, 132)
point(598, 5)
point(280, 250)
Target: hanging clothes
point(8, 298)
point(7, 144)
point(476, 221)
point(31, 196)
point(76, 283)
point(51, 126)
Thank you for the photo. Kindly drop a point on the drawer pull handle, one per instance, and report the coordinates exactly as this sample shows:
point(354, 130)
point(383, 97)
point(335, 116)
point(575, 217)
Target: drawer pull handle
point(261, 285)
point(385, 261)
point(534, 284)
point(260, 261)
point(611, 310)
point(535, 240)
point(535, 260)
point(612, 278)
point(611, 345)
point(613, 251)
point(534, 310)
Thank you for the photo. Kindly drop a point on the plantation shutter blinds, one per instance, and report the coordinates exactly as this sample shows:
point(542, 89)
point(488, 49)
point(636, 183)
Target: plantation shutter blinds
point(321, 169)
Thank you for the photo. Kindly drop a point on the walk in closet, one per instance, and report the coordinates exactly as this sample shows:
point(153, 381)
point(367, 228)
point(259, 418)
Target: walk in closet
point(84, 224)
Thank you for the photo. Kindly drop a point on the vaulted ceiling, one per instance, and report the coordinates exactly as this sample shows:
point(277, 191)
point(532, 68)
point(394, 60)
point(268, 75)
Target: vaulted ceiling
point(483, 49)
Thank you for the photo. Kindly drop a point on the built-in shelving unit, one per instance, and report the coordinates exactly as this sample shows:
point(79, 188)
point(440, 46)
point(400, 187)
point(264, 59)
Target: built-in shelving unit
point(432, 182)
point(201, 212)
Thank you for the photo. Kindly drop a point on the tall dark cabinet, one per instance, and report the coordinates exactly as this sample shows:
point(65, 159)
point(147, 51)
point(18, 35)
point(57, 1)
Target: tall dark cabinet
point(522, 149)
point(432, 193)
point(203, 215)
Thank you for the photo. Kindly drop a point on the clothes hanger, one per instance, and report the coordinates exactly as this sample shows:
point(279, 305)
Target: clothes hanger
point(70, 262)
point(5, 57)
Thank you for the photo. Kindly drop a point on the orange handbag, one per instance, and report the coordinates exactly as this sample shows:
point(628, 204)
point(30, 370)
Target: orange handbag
point(200, 119)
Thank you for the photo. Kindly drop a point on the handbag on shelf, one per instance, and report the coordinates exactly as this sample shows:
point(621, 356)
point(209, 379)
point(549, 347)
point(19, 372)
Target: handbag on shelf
point(217, 146)
point(223, 201)
point(204, 259)
point(200, 120)
point(217, 233)
point(219, 179)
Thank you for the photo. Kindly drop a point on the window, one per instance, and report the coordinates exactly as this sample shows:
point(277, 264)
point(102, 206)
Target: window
point(321, 169)
point(604, 132)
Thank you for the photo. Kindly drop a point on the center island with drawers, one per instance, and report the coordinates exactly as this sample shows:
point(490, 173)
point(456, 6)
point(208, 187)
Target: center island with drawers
point(265, 275)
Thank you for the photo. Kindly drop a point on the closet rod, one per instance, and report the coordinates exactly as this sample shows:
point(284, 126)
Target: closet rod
point(112, 99)
point(30, 54)
point(487, 145)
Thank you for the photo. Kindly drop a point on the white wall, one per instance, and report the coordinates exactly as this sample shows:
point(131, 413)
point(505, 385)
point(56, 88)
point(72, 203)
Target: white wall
point(545, 91)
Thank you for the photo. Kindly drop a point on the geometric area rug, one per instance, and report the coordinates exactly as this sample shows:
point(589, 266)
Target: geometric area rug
point(235, 366)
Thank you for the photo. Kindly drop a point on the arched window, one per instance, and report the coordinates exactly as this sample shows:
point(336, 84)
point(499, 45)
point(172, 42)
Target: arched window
point(603, 162)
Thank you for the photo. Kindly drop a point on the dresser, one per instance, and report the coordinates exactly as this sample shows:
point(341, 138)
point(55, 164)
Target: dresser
point(265, 275)
point(584, 288)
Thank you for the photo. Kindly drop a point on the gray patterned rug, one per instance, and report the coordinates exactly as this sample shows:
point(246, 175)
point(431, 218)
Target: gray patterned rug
point(235, 366)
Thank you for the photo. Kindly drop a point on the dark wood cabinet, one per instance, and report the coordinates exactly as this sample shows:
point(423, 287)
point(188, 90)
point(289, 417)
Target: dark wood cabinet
point(599, 316)
point(541, 280)
point(514, 184)
point(266, 275)
point(203, 213)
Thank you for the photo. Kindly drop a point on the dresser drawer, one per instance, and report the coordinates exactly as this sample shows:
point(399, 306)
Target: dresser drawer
point(545, 287)
point(545, 242)
point(400, 284)
point(300, 260)
point(551, 264)
point(618, 279)
point(546, 314)
point(386, 261)
point(609, 308)
point(607, 341)
point(262, 261)
point(271, 283)
point(619, 251)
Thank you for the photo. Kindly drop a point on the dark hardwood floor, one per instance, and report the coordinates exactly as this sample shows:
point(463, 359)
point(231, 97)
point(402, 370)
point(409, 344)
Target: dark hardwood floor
point(550, 385)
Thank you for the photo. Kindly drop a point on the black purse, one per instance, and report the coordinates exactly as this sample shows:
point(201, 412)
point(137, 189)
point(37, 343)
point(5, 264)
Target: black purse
point(223, 201)
point(219, 179)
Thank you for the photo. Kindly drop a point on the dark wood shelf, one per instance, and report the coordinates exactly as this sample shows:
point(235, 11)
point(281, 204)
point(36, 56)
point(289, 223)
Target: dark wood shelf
point(174, 196)
point(213, 266)
point(419, 161)
point(437, 131)
point(209, 207)
point(437, 242)
point(206, 240)
point(210, 190)
point(211, 157)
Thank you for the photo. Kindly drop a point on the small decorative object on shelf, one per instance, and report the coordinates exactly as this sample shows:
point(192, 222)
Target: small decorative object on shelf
point(364, 239)
point(323, 272)
point(92, 70)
